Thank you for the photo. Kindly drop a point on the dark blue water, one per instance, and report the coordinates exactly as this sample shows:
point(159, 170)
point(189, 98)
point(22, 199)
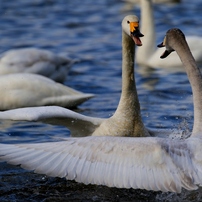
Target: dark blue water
point(91, 31)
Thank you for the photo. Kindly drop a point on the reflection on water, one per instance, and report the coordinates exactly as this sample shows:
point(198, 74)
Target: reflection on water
point(92, 33)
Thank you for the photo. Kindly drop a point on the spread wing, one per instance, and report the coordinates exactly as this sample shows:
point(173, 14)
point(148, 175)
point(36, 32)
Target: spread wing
point(145, 163)
point(77, 123)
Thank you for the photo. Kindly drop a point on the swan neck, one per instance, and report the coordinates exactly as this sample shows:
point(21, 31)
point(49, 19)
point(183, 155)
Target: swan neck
point(148, 29)
point(147, 17)
point(129, 108)
point(195, 79)
point(126, 120)
point(128, 77)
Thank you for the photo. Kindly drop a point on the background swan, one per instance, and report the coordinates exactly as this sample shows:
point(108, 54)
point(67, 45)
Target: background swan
point(126, 120)
point(37, 61)
point(154, 1)
point(149, 163)
point(26, 90)
point(148, 55)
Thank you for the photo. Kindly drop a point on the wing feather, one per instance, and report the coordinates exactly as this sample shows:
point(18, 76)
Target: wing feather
point(146, 163)
point(77, 123)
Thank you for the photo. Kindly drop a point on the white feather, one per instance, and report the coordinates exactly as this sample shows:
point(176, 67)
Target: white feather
point(36, 61)
point(29, 90)
point(92, 160)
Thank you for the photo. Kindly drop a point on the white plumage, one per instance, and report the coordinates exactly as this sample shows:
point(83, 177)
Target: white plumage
point(150, 163)
point(28, 90)
point(124, 122)
point(79, 125)
point(154, 1)
point(148, 55)
point(145, 163)
point(37, 61)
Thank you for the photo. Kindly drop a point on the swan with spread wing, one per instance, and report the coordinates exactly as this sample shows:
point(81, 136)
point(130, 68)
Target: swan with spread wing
point(150, 163)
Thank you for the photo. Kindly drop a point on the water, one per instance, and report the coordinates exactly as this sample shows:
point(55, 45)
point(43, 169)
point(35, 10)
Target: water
point(91, 32)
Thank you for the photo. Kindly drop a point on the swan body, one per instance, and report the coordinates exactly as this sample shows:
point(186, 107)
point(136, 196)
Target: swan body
point(27, 90)
point(150, 163)
point(37, 61)
point(148, 55)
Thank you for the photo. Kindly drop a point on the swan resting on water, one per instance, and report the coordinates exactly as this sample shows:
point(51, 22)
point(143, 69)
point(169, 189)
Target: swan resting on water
point(37, 61)
point(148, 55)
point(150, 163)
point(29, 90)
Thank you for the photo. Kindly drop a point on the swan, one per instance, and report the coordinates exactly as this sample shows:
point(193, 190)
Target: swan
point(28, 90)
point(126, 120)
point(148, 55)
point(175, 41)
point(154, 1)
point(37, 61)
point(150, 163)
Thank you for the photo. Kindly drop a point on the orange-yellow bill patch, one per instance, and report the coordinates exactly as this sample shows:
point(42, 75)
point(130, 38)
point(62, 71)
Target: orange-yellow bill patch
point(133, 25)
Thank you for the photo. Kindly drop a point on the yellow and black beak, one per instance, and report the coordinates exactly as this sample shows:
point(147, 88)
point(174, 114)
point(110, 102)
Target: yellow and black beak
point(135, 33)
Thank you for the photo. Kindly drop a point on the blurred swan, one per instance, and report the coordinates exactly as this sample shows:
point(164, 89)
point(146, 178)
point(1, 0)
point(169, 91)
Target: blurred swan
point(150, 163)
point(37, 61)
point(126, 120)
point(148, 55)
point(26, 90)
point(154, 1)
point(128, 6)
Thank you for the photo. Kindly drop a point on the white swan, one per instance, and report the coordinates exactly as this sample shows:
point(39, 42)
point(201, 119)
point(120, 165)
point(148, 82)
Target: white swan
point(154, 1)
point(126, 120)
point(27, 90)
point(150, 163)
point(148, 55)
point(37, 61)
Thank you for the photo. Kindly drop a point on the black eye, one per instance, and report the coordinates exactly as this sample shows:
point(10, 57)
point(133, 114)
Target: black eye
point(128, 22)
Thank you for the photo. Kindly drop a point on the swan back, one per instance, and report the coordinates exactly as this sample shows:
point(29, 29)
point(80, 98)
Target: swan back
point(28, 90)
point(37, 61)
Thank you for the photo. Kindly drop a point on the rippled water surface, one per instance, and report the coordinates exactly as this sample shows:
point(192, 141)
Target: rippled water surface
point(91, 32)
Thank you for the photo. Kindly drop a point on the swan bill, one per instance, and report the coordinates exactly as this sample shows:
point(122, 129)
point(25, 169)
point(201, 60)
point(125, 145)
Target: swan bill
point(135, 33)
point(136, 40)
point(167, 51)
point(165, 54)
point(161, 45)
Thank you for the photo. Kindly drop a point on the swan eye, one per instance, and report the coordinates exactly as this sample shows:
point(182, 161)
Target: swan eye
point(128, 22)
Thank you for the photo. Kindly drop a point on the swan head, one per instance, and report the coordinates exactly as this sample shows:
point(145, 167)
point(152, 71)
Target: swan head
point(130, 26)
point(173, 36)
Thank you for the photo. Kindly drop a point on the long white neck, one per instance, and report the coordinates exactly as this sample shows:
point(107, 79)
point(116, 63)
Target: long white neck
point(195, 79)
point(148, 28)
point(126, 120)
point(129, 107)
